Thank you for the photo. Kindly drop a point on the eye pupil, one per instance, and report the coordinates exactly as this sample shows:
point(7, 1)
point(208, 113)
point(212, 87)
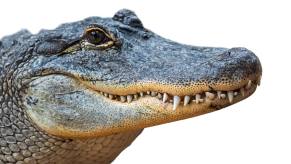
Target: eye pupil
point(96, 37)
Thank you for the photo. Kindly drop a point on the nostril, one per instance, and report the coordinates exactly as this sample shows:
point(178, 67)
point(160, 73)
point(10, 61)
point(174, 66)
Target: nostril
point(249, 61)
point(239, 64)
point(243, 57)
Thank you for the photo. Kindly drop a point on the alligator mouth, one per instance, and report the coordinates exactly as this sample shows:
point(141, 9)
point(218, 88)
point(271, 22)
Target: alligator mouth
point(218, 96)
point(213, 97)
point(61, 98)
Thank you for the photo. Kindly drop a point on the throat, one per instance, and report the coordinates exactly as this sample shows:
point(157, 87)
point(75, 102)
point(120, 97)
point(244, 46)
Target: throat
point(101, 150)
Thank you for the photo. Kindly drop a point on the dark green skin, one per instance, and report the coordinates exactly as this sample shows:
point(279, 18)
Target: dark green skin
point(139, 56)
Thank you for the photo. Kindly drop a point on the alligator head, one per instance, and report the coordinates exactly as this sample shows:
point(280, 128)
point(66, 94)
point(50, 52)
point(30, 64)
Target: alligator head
point(100, 76)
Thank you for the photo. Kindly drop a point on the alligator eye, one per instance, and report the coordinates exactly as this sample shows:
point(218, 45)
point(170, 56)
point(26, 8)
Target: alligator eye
point(93, 38)
point(96, 38)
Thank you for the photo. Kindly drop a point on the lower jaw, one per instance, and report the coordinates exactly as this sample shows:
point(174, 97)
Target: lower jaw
point(161, 113)
point(164, 112)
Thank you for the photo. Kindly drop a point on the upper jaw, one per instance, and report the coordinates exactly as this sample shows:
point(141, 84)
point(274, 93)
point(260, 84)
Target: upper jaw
point(230, 75)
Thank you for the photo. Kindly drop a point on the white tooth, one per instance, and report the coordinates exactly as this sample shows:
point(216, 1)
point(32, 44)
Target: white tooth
point(148, 92)
point(259, 81)
point(129, 98)
point(223, 96)
point(235, 93)
point(219, 94)
point(242, 91)
point(106, 94)
point(135, 96)
point(230, 96)
point(122, 98)
point(154, 94)
point(248, 86)
point(177, 100)
point(141, 94)
point(160, 96)
point(110, 96)
point(165, 97)
point(186, 100)
point(197, 98)
point(210, 95)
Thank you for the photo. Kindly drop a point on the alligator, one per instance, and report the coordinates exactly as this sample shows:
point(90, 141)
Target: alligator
point(81, 93)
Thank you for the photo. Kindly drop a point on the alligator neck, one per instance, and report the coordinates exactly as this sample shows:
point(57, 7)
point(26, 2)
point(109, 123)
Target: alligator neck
point(21, 140)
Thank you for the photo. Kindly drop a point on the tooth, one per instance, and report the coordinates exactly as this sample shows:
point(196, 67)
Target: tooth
point(110, 96)
point(106, 94)
point(235, 93)
point(230, 96)
point(259, 81)
point(122, 98)
point(219, 94)
point(177, 100)
point(210, 95)
point(197, 98)
point(135, 96)
point(101, 93)
point(165, 97)
point(242, 91)
point(141, 94)
point(129, 98)
point(186, 100)
point(160, 96)
point(154, 94)
point(248, 86)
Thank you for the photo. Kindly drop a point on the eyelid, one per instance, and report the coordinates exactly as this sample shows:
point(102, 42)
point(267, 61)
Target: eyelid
point(97, 29)
point(101, 46)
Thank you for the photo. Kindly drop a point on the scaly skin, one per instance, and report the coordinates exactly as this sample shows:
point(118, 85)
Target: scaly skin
point(83, 92)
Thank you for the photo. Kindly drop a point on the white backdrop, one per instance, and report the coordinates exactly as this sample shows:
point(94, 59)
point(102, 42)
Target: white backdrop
point(256, 130)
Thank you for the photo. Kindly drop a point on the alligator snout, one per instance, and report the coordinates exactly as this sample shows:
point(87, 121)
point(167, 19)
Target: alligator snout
point(235, 65)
